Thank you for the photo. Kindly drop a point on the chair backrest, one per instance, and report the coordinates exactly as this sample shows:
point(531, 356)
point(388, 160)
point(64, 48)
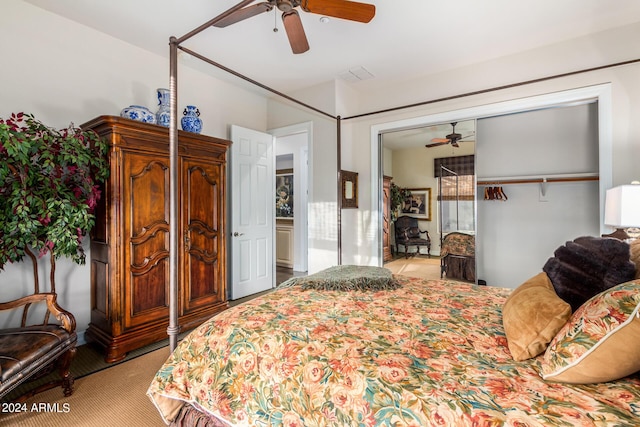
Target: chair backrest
point(458, 244)
point(406, 222)
point(403, 225)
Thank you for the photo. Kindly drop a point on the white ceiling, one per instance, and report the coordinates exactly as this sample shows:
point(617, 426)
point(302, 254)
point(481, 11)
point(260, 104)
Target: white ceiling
point(405, 39)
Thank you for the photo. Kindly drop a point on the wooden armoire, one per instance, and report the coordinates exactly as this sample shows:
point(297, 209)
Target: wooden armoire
point(130, 241)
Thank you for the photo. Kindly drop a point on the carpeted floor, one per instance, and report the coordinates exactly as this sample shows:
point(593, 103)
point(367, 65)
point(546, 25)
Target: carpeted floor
point(423, 268)
point(112, 397)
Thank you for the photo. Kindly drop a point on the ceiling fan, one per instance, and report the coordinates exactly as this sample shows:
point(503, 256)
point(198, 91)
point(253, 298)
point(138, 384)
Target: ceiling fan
point(343, 9)
point(453, 138)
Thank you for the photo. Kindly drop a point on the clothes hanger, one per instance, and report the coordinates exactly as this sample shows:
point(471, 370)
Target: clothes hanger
point(503, 194)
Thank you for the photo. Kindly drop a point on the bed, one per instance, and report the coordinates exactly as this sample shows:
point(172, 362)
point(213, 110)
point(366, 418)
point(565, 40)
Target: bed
point(422, 353)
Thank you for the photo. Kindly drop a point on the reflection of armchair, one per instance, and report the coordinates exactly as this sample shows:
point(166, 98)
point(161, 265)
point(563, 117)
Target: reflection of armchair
point(458, 257)
point(408, 234)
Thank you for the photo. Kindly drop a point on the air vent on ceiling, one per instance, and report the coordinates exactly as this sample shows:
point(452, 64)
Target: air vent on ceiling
point(356, 74)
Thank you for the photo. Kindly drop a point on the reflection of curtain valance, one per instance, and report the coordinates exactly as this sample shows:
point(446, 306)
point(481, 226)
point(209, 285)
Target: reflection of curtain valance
point(462, 165)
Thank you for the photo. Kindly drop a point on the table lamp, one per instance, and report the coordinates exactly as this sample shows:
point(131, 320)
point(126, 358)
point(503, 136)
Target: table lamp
point(622, 209)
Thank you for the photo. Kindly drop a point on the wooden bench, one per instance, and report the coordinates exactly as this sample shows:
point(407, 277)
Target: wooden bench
point(30, 352)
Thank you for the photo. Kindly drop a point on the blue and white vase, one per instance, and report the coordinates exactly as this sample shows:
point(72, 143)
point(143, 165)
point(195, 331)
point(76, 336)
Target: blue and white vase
point(139, 113)
point(163, 115)
point(191, 121)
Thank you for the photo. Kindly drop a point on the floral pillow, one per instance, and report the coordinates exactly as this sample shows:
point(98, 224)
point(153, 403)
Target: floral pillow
point(601, 342)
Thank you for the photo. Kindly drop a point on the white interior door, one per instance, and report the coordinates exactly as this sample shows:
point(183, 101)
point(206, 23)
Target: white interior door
point(252, 212)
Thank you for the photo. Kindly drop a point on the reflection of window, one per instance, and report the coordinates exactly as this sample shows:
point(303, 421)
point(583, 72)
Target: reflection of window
point(457, 203)
point(456, 196)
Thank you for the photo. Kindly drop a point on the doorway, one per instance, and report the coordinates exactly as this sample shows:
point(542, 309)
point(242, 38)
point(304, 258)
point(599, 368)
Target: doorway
point(292, 146)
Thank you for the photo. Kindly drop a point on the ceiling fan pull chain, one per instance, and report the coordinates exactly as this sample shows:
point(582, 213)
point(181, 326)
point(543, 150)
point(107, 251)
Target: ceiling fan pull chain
point(275, 20)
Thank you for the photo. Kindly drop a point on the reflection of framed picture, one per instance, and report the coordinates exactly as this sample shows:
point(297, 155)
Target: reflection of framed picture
point(349, 189)
point(418, 204)
point(284, 193)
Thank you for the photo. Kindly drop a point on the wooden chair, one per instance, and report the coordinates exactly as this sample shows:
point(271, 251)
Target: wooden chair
point(30, 352)
point(458, 256)
point(408, 234)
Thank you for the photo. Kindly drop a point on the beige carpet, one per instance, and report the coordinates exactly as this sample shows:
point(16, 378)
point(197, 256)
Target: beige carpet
point(423, 268)
point(112, 397)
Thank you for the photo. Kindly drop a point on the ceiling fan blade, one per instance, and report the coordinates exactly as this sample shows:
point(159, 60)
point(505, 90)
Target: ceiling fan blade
point(440, 140)
point(295, 31)
point(437, 144)
point(243, 14)
point(343, 9)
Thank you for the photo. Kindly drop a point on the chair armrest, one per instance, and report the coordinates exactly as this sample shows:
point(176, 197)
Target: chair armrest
point(66, 319)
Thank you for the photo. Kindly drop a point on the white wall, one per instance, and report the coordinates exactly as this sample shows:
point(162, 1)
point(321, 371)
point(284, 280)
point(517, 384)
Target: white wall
point(600, 49)
point(515, 238)
point(65, 72)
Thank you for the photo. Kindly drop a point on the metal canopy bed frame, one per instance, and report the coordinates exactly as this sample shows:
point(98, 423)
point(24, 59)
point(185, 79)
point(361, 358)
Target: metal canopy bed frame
point(175, 44)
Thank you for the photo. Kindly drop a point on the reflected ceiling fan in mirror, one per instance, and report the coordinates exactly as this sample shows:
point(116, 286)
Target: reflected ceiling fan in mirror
point(453, 138)
point(343, 9)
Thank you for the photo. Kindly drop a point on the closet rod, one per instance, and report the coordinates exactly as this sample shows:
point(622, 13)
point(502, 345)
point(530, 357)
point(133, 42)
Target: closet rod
point(538, 180)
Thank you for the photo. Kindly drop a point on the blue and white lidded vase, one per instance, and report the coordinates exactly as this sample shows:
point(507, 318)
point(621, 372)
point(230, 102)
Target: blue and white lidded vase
point(163, 115)
point(191, 121)
point(139, 113)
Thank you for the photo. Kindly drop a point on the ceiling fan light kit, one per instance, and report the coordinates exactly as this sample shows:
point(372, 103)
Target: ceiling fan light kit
point(343, 9)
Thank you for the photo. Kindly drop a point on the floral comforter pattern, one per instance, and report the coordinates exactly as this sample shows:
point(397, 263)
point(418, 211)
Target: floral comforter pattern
point(432, 353)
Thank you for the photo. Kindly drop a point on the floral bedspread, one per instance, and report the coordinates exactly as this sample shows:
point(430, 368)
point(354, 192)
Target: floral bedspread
point(432, 353)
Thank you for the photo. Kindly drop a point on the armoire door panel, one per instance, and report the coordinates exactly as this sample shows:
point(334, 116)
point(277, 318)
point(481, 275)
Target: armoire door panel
point(146, 212)
point(202, 240)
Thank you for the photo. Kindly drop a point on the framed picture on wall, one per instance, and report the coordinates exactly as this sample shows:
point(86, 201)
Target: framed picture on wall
point(284, 193)
point(418, 205)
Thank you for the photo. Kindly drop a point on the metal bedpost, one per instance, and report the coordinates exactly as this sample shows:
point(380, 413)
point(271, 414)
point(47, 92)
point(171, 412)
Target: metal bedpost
point(339, 175)
point(173, 329)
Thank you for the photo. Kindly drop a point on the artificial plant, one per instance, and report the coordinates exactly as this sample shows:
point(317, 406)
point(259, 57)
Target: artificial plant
point(49, 187)
point(397, 197)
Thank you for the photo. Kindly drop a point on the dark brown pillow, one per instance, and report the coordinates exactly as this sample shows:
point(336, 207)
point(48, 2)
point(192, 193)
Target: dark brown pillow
point(587, 266)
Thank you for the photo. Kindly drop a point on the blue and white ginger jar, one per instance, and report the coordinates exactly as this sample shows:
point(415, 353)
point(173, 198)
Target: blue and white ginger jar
point(163, 115)
point(139, 113)
point(191, 121)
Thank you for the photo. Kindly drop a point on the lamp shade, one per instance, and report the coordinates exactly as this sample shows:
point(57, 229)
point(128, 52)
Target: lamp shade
point(622, 206)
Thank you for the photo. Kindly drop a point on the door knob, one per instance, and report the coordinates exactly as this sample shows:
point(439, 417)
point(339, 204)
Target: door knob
point(236, 234)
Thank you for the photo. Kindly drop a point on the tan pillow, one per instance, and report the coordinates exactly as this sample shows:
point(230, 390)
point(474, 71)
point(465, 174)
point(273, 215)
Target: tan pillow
point(635, 256)
point(532, 315)
point(601, 342)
